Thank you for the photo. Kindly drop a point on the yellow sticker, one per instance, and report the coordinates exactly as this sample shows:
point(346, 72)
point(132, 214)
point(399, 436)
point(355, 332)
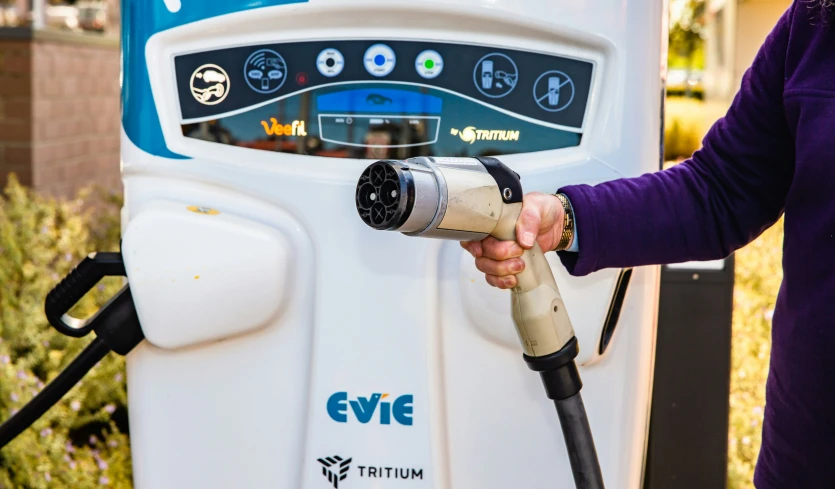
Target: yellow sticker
point(203, 210)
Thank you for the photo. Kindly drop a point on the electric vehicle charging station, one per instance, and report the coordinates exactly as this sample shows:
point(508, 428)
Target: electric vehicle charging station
point(290, 346)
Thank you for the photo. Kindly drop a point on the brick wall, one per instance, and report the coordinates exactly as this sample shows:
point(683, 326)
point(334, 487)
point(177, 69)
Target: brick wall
point(59, 111)
point(16, 109)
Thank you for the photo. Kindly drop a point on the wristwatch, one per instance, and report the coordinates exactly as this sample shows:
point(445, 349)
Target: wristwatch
point(568, 223)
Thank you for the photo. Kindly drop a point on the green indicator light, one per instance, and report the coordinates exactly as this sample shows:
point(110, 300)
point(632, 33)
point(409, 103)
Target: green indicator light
point(429, 64)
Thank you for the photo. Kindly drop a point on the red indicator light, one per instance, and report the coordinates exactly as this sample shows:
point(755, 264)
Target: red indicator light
point(301, 78)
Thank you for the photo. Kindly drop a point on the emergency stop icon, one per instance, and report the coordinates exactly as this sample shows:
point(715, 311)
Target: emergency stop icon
point(209, 84)
point(553, 91)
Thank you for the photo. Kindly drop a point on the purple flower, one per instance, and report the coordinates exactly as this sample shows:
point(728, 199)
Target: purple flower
point(46, 432)
point(46, 343)
point(67, 458)
point(47, 476)
point(44, 230)
point(102, 465)
point(93, 440)
point(4, 359)
point(40, 384)
point(68, 257)
point(72, 465)
point(110, 408)
point(103, 480)
point(75, 405)
point(21, 374)
point(118, 377)
point(14, 397)
point(14, 411)
point(112, 443)
point(100, 287)
point(69, 447)
point(55, 276)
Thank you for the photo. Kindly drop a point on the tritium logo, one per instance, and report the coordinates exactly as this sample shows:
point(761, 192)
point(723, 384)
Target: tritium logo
point(470, 134)
point(363, 408)
point(335, 469)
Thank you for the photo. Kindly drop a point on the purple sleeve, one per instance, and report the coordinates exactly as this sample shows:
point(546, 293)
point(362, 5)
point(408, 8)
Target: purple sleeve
point(728, 193)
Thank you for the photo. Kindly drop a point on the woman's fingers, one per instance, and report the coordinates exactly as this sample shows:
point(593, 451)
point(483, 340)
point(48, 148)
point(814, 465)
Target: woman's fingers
point(501, 282)
point(500, 250)
point(472, 247)
point(499, 268)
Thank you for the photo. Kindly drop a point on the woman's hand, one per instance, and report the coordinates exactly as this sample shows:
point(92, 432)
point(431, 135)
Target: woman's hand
point(541, 221)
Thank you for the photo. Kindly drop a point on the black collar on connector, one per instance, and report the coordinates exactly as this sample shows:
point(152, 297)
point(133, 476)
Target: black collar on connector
point(558, 371)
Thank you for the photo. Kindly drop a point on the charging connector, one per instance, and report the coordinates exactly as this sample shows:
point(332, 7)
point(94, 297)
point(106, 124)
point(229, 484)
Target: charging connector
point(116, 326)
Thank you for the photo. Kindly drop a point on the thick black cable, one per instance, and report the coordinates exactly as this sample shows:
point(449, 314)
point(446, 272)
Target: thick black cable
point(578, 440)
point(54, 391)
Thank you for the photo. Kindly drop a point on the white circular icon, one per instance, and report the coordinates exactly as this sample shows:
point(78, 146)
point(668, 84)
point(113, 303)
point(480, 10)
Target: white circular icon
point(379, 60)
point(330, 62)
point(209, 84)
point(495, 75)
point(553, 91)
point(429, 64)
point(265, 71)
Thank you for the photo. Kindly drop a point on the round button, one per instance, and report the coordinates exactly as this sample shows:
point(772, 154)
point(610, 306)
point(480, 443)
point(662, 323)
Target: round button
point(429, 64)
point(379, 60)
point(330, 62)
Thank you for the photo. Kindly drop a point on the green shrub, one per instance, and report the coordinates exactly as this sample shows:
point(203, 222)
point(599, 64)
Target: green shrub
point(758, 276)
point(82, 441)
point(686, 122)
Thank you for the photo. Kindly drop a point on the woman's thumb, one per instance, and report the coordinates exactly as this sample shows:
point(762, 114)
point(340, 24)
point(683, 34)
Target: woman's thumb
point(527, 226)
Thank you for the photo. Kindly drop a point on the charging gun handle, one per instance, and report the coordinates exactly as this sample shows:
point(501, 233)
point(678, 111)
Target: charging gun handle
point(550, 346)
point(539, 313)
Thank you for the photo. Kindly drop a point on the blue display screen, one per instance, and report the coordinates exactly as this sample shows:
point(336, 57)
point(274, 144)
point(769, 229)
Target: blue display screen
point(376, 121)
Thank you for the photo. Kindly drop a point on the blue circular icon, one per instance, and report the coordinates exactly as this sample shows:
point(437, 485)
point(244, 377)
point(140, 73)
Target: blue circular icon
point(265, 71)
point(553, 91)
point(379, 60)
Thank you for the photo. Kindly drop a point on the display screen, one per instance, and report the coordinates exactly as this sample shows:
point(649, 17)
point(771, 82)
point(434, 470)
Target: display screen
point(383, 99)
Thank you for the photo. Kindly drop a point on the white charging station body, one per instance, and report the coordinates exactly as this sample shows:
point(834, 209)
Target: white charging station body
point(291, 346)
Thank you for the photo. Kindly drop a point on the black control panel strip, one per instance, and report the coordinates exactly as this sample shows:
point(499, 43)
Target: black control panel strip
point(547, 88)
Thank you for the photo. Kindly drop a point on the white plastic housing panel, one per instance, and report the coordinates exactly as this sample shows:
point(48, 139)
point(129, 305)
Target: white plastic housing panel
point(199, 277)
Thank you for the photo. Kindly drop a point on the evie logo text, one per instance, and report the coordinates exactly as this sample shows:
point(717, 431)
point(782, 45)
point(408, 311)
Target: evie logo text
point(340, 408)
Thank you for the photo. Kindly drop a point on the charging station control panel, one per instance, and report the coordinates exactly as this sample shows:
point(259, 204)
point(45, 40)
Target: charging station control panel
point(383, 99)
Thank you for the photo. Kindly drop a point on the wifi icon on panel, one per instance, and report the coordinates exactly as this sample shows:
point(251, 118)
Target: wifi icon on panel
point(259, 59)
point(265, 71)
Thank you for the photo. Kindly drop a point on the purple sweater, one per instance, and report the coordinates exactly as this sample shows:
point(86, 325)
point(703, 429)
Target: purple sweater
point(773, 152)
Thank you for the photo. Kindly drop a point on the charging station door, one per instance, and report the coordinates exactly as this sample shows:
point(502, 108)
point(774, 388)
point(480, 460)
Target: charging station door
point(688, 436)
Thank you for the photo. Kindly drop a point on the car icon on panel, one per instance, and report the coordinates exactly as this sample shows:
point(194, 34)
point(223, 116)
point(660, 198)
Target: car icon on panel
point(377, 99)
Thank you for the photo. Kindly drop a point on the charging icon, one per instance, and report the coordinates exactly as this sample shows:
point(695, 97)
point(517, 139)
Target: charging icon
point(495, 75)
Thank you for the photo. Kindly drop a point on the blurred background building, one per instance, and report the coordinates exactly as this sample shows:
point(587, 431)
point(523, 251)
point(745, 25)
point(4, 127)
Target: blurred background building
point(59, 93)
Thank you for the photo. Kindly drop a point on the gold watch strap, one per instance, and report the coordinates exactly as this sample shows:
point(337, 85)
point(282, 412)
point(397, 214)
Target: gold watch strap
point(568, 223)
